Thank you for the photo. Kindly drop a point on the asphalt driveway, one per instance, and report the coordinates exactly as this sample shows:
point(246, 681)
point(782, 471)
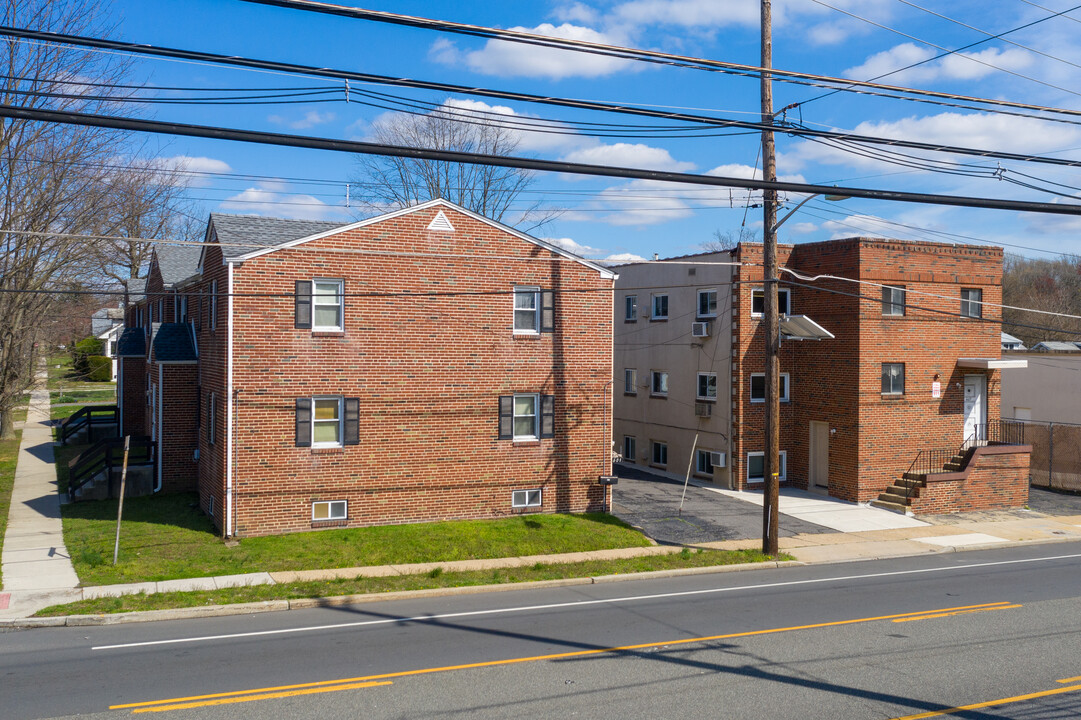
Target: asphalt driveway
point(651, 503)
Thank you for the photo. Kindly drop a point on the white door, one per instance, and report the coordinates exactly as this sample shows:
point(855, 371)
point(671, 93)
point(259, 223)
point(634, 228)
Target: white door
point(818, 463)
point(975, 408)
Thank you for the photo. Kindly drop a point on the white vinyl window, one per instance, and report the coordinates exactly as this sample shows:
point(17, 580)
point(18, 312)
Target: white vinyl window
point(758, 387)
point(658, 383)
point(703, 465)
point(327, 305)
point(330, 510)
point(660, 453)
point(526, 498)
point(660, 307)
point(526, 419)
point(630, 381)
point(630, 449)
point(756, 466)
point(707, 303)
point(707, 386)
point(893, 301)
point(326, 422)
point(527, 310)
point(971, 302)
point(758, 302)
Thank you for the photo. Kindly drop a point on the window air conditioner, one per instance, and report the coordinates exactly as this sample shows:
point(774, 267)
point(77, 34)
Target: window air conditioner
point(717, 459)
point(700, 329)
point(702, 409)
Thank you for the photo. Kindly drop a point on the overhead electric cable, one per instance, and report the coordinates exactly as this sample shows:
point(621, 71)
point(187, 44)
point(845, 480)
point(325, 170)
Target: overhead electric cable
point(366, 148)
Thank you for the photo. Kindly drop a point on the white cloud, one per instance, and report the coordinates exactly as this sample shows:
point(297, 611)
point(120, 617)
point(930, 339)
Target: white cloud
point(623, 258)
point(634, 155)
point(573, 247)
point(508, 59)
point(310, 120)
point(261, 201)
point(577, 12)
point(690, 13)
point(189, 168)
point(959, 66)
point(857, 225)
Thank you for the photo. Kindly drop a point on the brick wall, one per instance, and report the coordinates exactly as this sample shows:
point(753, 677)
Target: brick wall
point(133, 409)
point(178, 435)
point(428, 349)
point(212, 338)
point(996, 478)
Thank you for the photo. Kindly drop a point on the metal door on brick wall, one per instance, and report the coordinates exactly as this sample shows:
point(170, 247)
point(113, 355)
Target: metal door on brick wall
point(818, 461)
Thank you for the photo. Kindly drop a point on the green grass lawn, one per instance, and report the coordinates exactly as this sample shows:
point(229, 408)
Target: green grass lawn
point(167, 537)
point(9, 453)
point(435, 579)
point(62, 376)
point(100, 395)
point(65, 411)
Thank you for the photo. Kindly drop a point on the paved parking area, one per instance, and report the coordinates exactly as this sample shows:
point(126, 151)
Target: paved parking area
point(1050, 502)
point(651, 503)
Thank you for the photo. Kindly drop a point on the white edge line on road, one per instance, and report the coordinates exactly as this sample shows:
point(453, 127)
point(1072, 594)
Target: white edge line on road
point(575, 603)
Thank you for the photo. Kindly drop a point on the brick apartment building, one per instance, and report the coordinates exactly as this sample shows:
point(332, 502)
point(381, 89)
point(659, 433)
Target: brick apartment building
point(423, 365)
point(913, 366)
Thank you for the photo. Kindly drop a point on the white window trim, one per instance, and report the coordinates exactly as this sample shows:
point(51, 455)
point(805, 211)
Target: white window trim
point(780, 291)
point(652, 384)
point(536, 417)
point(653, 445)
point(630, 314)
point(891, 305)
point(698, 385)
point(330, 510)
point(521, 498)
point(536, 292)
point(653, 306)
point(630, 381)
point(895, 393)
point(787, 387)
point(340, 304)
point(341, 421)
point(632, 456)
point(698, 307)
point(784, 466)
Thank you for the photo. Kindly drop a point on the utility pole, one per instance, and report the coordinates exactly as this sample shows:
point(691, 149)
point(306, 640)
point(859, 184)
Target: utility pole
point(769, 312)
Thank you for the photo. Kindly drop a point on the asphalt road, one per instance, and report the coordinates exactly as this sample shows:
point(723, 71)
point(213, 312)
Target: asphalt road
point(855, 640)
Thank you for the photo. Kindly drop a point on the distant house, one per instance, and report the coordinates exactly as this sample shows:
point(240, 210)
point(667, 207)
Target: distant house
point(1056, 346)
point(1009, 342)
point(106, 325)
point(422, 365)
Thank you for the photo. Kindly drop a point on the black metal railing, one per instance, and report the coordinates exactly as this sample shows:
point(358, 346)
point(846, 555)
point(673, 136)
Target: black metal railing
point(89, 417)
point(934, 461)
point(107, 455)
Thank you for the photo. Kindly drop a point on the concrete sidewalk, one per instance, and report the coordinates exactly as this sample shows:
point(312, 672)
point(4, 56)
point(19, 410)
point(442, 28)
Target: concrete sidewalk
point(37, 571)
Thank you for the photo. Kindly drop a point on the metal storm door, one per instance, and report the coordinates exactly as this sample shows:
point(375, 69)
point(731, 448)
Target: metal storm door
point(975, 408)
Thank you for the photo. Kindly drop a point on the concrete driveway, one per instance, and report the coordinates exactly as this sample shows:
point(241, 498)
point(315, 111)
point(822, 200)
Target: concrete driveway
point(651, 503)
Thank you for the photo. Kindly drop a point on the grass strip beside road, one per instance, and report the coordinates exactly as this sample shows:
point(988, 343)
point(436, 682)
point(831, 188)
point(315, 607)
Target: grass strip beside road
point(9, 455)
point(98, 395)
point(167, 537)
point(434, 579)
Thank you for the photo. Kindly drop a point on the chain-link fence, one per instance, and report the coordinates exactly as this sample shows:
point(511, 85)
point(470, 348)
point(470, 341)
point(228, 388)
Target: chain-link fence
point(1056, 455)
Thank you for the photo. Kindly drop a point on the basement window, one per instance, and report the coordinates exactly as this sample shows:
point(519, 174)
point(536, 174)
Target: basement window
point(756, 466)
point(330, 510)
point(526, 498)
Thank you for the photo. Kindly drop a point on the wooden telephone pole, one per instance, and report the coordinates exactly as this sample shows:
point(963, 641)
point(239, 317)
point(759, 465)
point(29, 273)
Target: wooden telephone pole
point(770, 318)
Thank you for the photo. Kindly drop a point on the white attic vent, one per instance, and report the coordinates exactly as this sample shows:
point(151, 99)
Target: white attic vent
point(440, 223)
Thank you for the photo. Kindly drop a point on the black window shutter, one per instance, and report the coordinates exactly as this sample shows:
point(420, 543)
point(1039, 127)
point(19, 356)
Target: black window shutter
point(352, 421)
point(304, 304)
point(506, 417)
point(548, 311)
point(304, 422)
point(548, 413)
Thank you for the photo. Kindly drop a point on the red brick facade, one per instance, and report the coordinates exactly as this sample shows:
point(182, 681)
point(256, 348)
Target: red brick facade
point(873, 436)
point(427, 347)
point(996, 478)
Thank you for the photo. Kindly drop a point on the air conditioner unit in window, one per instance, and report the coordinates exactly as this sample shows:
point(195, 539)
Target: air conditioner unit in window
point(702, 409)
point(700, 329)
point(717, 459)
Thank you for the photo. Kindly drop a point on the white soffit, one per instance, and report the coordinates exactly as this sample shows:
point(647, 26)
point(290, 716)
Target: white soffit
point(991, 363)
point(801, 327)
point(440, 223)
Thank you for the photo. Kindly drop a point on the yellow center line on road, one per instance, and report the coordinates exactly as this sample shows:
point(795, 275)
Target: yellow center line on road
point(1069, 680)
point(264, 696)
point(991, 703)
point(955, 612)
point(335, 684)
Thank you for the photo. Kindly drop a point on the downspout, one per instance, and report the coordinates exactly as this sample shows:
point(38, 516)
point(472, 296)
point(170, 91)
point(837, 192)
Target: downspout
point(120, 397)
point(161, 436)
point(229, 410)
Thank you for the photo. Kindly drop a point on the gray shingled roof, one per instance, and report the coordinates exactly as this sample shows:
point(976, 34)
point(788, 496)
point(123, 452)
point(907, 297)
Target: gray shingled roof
point(132, 343)
point(258, 232)
point(172, 343)
point(1057, 346)
point(177, 262)
point(136, 286)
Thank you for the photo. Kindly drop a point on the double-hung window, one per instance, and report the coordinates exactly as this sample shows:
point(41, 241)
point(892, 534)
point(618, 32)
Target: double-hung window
point(703, 464)
point(707, 386)
point(526, 416)
point(893, 301)
point(756, 466)
point(319, 305)
point(758, 387)
point(327, 421)
point(526, 309)
point(893, 378)
point(658, 383)
point(707, 303)
point(660, 307)
point(630, 381)
point(630, 310)
point(971, 302)
point(758, 302)
point(660, 453)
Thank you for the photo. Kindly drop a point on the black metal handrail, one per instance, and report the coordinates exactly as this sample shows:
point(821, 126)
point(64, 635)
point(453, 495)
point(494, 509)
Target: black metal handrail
point(87, 417)
point(108, 455)
point(932, 462)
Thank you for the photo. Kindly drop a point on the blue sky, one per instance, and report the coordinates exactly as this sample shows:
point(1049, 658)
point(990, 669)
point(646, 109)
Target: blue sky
point(605, 217)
